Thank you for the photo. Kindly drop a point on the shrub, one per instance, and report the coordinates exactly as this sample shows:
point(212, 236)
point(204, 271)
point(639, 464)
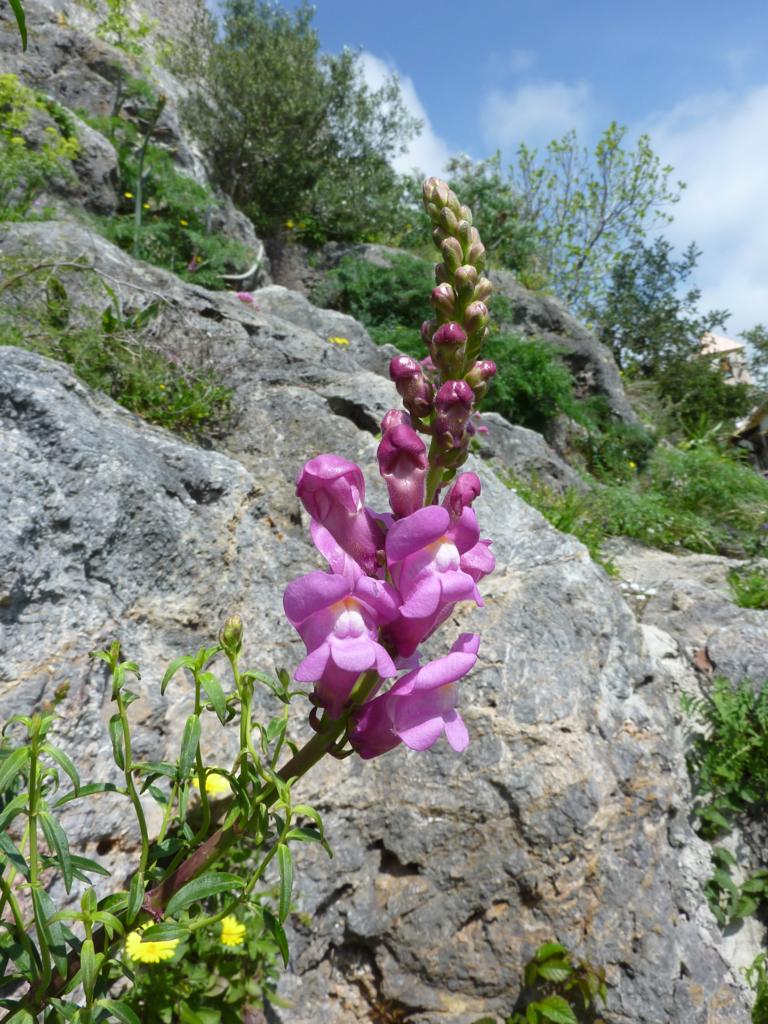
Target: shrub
point(395, 296)
point(617, 452)
point(750, 587)
point(291, 133)
point(532, 386)
point(700, 397)
point(175, 211)
point(27, 164)
point(110, 354)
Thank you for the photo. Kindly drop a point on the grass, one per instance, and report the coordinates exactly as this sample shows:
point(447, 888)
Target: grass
point(749, 587)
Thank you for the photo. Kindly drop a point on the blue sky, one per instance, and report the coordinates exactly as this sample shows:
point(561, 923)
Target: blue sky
point(694, 75)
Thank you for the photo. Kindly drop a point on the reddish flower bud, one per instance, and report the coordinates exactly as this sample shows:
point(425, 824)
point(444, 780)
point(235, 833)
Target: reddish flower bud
point(480, 375)
point(453, 404)
point(394, 418)
point(413, 387)
point(462, 492)
point(444, 300)
point(442, 274)
point(403, 464)
point(448, 348)
point(475, 317)
point(428, 328)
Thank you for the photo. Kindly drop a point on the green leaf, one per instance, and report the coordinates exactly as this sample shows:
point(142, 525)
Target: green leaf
point(12, 808)
point(118, 740)
point(13, 854)
point(57, 303)
point(64, 762)
point(165, 932)
point(276, 930)
point(184, 662)
point(118, 1009)
point(89, 967)
point(556, 1009)
point(21, 1016)
point(21, 21)
point(215, 694)
point(59, 844)
point(278, 688)
point(285, 861)
point(135, 897)
point(209, 884)
point(89, 789)
point(548, 949)
point(189, 743)
point(54, 933)
point(555, 970)
point(12, 765)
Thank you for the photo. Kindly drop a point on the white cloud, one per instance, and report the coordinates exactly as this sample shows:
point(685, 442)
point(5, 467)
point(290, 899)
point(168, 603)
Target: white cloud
point(536, 113)
point(718, 144)
point(427, 153)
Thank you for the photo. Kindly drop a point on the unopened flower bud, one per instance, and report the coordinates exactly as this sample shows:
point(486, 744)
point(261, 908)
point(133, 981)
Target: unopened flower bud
point(465, 280)
point(433, 212)
point(428, 328)
point(452, 253)
point(449, 345)
point(475, 317)
point(483, 290)
point(444, 300)
point(476, 255)
point(413, 387)
point(438, 236)
point(231, 635)
point(462, 492)
point(394, 418)
point(463, 233)
point(403, 464)
point(442, 274)
point(480, 376)
point(453, 404)
point(449, 222)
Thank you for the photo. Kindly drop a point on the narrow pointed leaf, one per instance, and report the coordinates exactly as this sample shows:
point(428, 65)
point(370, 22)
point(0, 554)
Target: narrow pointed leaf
point(276, 930)
point(122, 1011)
point(118, 740)
point(12, 765)
point(64, 762)
point(184, 662)
point(285, 861)
point(189, 743)
point(215, 694)
point(58, 844)
point(135, 897)
point(209, 884)
point(21, 21)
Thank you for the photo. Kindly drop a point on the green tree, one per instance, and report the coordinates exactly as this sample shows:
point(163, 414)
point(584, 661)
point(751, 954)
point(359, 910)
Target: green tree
point(757, 337)
point(649, 313)
point(291, 133)
point(587, 208)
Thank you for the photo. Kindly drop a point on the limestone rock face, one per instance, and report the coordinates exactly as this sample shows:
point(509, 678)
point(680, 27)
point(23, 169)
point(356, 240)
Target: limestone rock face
point(566, 818)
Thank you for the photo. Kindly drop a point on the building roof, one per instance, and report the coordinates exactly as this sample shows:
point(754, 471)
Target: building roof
point(717, 344)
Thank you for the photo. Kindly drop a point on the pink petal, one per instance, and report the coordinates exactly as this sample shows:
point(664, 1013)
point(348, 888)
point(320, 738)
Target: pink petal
point(421, 734)
point(416, 531)
point(313, 666)
point(424, 600)
point(353, 655)
point(456, 731)
point(310, 593)
point(465, 532)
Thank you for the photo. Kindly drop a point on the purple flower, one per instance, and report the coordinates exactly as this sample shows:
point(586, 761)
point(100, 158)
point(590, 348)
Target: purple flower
point(332, 490)
point(419, 707)
point(461, 494)
point(338, 619)
point(416, 391)
point(425, 556)
point(403, 465)
point(453, 404)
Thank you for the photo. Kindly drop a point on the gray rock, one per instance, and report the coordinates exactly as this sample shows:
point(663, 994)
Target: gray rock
point(566, 818)
point(689, 597)
point(525, 454)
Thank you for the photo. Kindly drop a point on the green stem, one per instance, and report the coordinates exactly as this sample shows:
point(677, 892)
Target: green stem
point(130, 786)
point(34, 856)
point(21, 930)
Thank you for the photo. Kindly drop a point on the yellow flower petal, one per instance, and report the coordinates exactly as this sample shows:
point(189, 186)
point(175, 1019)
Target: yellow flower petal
point(216, 784)
point(128, 195)
point(339, 341)
point(232, 931)
point(149, 952)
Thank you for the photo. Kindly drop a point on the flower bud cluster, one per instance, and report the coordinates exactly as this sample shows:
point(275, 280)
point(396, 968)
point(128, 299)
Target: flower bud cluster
point(441, 392)
point(395, 577)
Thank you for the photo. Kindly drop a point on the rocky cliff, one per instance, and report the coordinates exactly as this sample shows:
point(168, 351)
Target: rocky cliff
point(568, 816)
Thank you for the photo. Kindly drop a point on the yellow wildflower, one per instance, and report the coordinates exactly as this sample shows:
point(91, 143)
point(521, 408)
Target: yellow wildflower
point(216, 784)
point(184, 223)
point(146, 206)
point(339, 341)
point(232, 931)
point(149, 952)
point(289, 224)
point(128, 195)
point(632, 465)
